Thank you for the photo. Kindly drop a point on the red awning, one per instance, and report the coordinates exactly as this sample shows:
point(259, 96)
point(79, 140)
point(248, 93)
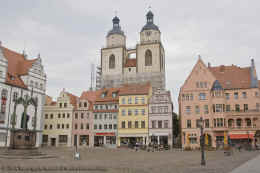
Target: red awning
point(241, 136)
point(106, 134)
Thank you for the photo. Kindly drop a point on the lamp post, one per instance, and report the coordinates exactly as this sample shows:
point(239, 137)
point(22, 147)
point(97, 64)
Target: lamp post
point(202, 143)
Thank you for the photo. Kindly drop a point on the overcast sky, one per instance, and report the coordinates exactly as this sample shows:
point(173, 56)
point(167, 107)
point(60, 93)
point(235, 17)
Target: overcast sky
point(70, 33)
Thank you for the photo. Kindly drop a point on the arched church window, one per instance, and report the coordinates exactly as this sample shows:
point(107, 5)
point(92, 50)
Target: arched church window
point(3, 102)
point(148, 58)
point(112, 61)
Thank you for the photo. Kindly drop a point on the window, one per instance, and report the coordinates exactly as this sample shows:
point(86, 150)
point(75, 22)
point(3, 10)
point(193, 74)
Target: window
point(96, 116)
point(129, 112)
point(206, 109)
point(105, 116)
point(110, 116)
point(202, 96)
point(129, 100)
point(197, 84)
point(227, 96)
point(100, 126)
point(228, 108)
point(143, 124)
point(159, 124)
point(239, 122)
point(15, 95)
point(82, 115)
point(114, 94)
point(136, 111)
point(197, 109)
point(257, 106)
point(114, 116)
point(63, 115)
point(218, 108)
point(110, 126)
point(81, 126)
point(3, 101)
point(59, 116)
point(153, 109)
point(87, 126)
point(123, 112)
point(205, 85)
point(153, 124)
point(201, 84)
point(198, 123)
point(85, 104)
point(136, 100)
point(68, 115)
point(148, 58)
point(44, 138)
point(136, 125)
point(58, 126)
point(142, 100)
point(100, 116)
point(60, 105)
point(46, 116)
point(256, 94)
point(123, 124)
point(244, 95)
point(51, 116)
point(245, 107)
point(50, 126)
point(95, 126)
point(65, 105)
point(188, 123)
point(62, 126)
point(143, 111)
point(63, 138)
point(67, 126)
point(206, 123)
point(166, 123)
point(115, 126)
point(129, 124)
point(191, 96)
point(237, 107)
point(112, 61)
point(123, 100)
point(236, 95)
point(45, 126)
point(105, 126)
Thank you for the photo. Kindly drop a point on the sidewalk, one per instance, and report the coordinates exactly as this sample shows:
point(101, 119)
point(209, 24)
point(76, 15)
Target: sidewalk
point(252, 166)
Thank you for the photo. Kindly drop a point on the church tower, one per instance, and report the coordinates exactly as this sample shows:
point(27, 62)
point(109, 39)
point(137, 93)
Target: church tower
point(150, 54)
point(112, 56)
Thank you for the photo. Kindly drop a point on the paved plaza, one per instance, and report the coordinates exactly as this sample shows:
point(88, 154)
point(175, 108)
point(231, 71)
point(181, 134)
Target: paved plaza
point(99, 160)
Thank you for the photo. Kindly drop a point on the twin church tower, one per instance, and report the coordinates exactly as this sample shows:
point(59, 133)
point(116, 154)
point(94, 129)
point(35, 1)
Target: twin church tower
point(144, 63)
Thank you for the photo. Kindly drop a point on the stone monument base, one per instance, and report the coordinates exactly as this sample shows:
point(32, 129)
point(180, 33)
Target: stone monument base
point(23, 139)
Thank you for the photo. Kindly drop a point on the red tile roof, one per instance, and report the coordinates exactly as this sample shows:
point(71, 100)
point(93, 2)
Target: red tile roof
point(108, 97)
point(17, 66)
point(73, 99)
point(231, 77)
point(135, 89)
point(88, 95)
point(130, 63)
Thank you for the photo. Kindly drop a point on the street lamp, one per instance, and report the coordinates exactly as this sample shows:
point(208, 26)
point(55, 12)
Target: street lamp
point(202, 142)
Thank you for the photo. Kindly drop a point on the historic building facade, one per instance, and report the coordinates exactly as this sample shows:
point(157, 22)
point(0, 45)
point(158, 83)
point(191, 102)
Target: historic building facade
point(133, 114)
point(82, 120)
point(226, 97)
point(145, 62)
point(105, 114)
point(20, 77)
point(58, 120)
point(160, 118)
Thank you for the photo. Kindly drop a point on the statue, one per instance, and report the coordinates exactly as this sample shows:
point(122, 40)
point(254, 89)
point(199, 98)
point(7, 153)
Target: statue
point(25, 125)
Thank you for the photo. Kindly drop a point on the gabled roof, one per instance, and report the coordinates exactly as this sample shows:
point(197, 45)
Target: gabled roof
point(130, 63)
point(73, 99)
point(231, 77)
point(135, 89)
point(88, 95)
point(17, 66)
point(108, 97)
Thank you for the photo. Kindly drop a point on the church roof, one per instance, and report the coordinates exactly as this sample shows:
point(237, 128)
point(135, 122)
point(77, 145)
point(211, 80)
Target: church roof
point(116, 27)
point(130, 63)
point(149, 24)
point(18, 66)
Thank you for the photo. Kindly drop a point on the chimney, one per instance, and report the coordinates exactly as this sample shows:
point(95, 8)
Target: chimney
point(209, 65)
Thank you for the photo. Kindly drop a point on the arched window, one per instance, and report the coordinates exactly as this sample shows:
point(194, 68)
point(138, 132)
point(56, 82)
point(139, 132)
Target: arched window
point(112, 61)
point(3, 102)
point(148, 58)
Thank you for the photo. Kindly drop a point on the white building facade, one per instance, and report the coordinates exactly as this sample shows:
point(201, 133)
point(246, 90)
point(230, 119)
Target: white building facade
point(18, 77)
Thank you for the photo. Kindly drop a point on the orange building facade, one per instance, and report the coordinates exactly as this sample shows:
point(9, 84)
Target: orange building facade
point(228, 100)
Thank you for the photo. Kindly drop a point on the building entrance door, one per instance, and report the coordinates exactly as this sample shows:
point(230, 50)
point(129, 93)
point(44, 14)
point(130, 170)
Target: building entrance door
point(53, 142)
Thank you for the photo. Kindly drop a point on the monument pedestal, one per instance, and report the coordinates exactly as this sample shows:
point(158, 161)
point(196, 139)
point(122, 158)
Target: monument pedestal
point(23, 139)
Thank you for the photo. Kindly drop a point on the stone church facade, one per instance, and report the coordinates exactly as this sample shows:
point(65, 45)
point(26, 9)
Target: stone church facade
point(18, 77)
point(145, 62)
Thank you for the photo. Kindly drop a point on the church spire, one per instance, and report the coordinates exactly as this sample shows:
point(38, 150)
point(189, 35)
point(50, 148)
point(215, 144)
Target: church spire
point(116, 27)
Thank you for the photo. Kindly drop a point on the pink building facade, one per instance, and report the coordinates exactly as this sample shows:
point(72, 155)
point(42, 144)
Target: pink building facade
point(82, 123)
point(228, 100)
point(160, 118)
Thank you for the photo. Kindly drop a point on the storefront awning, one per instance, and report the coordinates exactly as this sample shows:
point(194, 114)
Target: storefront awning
point(241, 136)
point(106, 134)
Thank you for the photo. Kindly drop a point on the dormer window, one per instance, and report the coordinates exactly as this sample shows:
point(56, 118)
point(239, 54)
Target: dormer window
point(114, 94)
point(104, 94)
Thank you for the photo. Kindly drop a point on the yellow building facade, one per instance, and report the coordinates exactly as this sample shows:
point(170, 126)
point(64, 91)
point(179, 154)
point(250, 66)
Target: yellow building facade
point(133, 114)
point(58, 120)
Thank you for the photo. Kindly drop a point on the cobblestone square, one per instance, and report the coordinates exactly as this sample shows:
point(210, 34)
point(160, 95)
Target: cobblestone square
point(99, 160)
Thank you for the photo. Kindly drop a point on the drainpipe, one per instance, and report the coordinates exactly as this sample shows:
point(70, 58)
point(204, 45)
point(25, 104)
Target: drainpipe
point(8, 117)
